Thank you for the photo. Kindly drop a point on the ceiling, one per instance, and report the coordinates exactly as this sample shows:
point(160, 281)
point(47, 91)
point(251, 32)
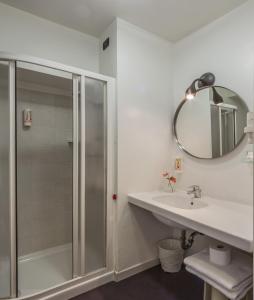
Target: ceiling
point(170, 19)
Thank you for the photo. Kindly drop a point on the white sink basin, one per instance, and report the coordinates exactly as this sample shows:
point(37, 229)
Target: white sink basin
point(222, 220)
point(177, 200)
point(182, 201)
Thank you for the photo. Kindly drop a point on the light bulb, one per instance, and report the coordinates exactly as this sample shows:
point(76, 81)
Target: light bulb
point(190, 96)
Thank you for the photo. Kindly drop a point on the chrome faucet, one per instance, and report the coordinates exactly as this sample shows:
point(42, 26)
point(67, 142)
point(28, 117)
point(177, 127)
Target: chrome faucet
point(195, 190)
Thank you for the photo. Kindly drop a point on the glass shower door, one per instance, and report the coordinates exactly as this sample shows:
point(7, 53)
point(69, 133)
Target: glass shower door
point(44, 177)
point(7, 182)
point(95, 175)
point(53, 138)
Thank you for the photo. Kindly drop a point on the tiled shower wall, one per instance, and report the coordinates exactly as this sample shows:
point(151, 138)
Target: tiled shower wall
point(44, 177)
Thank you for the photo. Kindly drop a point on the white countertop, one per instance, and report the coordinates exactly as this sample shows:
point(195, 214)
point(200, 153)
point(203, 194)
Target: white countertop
point(225, 221)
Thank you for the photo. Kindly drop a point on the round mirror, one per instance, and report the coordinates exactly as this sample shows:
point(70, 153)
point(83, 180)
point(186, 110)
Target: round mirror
point(212, 124)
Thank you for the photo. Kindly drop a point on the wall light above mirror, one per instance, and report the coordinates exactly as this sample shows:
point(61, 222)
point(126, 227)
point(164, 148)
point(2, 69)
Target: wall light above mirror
point(211, 124)
point(207, 79)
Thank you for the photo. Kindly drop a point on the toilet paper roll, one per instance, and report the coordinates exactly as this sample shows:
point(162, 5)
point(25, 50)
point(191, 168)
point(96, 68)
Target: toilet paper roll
point(220, 254)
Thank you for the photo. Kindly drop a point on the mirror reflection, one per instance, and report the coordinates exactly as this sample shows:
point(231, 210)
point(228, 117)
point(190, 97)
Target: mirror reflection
point(212, 124)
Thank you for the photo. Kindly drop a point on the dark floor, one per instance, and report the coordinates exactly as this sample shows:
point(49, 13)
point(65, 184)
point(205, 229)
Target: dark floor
point(153, 284)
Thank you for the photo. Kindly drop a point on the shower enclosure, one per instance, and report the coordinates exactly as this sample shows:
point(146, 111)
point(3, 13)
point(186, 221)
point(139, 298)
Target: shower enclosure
point(56, 178)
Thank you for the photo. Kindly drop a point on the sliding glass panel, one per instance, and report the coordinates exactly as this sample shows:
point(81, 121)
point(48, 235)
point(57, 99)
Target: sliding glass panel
point(44, 177)
point(95, 175)
point(5, 243)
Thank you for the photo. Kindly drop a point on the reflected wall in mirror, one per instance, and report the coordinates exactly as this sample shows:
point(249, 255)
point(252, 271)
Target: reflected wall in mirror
point(212, 124)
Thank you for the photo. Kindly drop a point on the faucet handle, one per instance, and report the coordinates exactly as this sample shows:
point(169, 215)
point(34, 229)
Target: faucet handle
point(194, 188)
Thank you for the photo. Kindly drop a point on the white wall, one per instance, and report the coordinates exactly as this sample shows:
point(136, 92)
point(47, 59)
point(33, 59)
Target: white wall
point(144, 93)
point(226, 48)
point(108, 57)
point(24, 33)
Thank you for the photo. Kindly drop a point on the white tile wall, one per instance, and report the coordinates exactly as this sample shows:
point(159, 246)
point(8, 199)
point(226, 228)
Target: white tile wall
point(44, 172)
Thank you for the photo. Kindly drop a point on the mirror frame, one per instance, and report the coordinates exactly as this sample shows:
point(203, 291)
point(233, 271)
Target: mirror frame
point(181, 147)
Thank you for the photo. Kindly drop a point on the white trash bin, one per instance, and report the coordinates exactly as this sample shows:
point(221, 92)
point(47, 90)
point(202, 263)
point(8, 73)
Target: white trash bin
point(171, 255)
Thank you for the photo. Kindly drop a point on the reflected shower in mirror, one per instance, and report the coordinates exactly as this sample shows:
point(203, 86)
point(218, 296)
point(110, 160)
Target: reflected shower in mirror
point(212, 124)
